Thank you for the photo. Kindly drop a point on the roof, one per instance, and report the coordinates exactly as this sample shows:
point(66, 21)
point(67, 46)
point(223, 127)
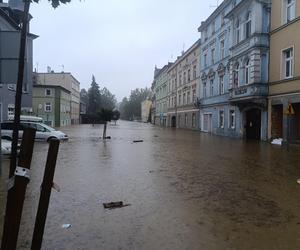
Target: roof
point(205, 23)
point(50, 86)
point(190, 49)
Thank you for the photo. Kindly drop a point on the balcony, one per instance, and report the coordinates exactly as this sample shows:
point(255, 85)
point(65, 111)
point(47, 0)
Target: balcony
point(248, 93)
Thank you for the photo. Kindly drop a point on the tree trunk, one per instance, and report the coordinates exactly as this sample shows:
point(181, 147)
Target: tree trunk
point(104, 131)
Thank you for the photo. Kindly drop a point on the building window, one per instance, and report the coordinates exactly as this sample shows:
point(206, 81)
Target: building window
point(11, 110)
point(231, 119)
point(194, 72)
point(222, 19)
point(211, 93)
point(185, 119)
point(221, 85)
point(248, 26)
point(247, 72)
point(204, 90)
point(188, 98)
point(184, 78)
point(238, 31)
point(193, 120)
point(194, 95)
point(236, 70)
point(221, 119)
point(48, 107)
point(179, 100)
point(189, 75)
point(222, 49)
point(205, 60)
point(213, 28)
point(288, 63)
point(290, 10)
point(48, 92)
point(205, 35)
point(184, 100)
point(180, 80)
point(213, 56)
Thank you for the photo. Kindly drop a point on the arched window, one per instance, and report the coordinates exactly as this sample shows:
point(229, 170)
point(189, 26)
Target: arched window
point(238, 31)
point(248, 25)
point(247, 71)
point(236, 81)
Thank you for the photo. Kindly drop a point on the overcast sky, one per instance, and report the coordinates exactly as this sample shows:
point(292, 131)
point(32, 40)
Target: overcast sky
point(119, 41)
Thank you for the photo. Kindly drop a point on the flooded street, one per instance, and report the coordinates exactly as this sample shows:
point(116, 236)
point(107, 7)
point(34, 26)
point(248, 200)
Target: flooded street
point(187, 190)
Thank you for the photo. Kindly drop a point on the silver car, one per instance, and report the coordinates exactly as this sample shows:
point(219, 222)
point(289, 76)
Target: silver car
point(43, 132)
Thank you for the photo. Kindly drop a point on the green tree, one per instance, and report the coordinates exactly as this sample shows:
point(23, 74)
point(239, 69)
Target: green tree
point(108, 100)
point(94, 98)
point(55, 3)
point(105, 115)
point(131, 109)
point(116, 116)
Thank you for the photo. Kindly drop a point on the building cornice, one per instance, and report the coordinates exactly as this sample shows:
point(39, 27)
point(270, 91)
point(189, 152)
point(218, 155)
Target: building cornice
point(296, 78)
point(284, 26)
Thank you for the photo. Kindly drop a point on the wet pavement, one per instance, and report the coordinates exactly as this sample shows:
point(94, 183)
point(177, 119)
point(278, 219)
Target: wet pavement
point(186, 190)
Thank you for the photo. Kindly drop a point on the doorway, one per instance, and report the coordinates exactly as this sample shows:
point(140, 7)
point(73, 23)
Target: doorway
point(173, 124)
point(207, 123)
point(253, 124)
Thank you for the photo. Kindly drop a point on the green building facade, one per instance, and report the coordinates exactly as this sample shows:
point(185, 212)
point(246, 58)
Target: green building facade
point(53, 104)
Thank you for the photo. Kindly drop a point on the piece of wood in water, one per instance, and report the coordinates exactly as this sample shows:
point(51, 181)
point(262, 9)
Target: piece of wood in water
point(117, 204)
point(135, 141)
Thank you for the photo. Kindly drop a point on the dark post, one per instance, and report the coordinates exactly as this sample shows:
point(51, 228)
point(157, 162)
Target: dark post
point(18, 100)
point(17, 190)
point(45, 195)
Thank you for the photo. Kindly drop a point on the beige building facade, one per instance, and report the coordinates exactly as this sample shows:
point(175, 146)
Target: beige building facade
point(284, 78)
point(146, 108)
point(68, 82)
point(183, 90)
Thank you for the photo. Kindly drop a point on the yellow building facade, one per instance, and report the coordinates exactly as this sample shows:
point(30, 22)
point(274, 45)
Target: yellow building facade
point(284, 70)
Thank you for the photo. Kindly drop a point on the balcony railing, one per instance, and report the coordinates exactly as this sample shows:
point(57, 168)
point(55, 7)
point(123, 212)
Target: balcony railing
point(247, 92)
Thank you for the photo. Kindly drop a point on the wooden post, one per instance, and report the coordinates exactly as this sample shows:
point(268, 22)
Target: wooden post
point(16, 192)
point(46, 187)
point(18, 101)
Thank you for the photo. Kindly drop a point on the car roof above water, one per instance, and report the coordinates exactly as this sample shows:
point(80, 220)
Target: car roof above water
point(27, 118)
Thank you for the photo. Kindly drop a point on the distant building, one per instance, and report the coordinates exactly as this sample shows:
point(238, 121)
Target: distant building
point(66, 81)
point(53, 104)
point(284, 80)
point(183, 90)
point(10, 19)
point(161, 82)
point(146, 109)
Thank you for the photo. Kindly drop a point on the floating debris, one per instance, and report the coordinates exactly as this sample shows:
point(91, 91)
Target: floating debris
point(66, 226)
point(113, 205)
point(137, 141)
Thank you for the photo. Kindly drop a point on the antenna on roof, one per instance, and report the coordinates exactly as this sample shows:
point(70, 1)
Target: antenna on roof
point(214, 6)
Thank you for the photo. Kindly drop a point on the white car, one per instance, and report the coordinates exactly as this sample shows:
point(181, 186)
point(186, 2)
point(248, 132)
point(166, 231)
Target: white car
point(6, 147)
point(43, 131)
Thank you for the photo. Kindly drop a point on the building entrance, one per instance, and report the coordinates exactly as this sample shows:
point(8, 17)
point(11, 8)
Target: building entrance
point(253, 124)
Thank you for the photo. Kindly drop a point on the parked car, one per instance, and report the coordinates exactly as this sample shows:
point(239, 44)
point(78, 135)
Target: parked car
point(26, 118)
point(43, 131)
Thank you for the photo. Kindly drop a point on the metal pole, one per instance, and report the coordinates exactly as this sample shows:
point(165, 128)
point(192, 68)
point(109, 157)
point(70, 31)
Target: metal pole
point(46, 187)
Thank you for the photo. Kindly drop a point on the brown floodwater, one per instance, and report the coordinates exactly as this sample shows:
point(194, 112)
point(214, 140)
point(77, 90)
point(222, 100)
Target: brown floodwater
point(186, 190)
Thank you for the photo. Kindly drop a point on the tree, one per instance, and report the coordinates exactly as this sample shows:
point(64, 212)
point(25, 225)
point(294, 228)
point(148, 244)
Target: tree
point(105, 115)
point(84, 96)
point(131, 109)
point(108, 100)
point(55, 3)
point(94, 98)
point(116, 116)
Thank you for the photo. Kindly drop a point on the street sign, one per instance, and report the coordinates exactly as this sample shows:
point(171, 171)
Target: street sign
point(290, 110)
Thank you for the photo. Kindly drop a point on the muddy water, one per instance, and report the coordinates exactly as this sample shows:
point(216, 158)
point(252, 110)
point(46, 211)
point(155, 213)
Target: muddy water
point(187, 190)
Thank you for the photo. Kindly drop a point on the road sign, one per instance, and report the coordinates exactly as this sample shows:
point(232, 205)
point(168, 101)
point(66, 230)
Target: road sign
point(290, 110)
